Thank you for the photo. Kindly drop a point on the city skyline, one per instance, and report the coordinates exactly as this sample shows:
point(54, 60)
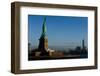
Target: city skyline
point(63, 31)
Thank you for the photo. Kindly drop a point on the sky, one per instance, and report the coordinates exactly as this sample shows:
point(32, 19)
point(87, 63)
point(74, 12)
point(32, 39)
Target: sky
point(66, 31)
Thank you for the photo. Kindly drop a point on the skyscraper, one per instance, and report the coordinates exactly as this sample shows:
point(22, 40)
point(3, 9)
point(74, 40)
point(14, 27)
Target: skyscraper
point(83, 46)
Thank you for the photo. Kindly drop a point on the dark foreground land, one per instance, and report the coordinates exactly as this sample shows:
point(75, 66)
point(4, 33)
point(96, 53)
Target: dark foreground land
point(58, 57)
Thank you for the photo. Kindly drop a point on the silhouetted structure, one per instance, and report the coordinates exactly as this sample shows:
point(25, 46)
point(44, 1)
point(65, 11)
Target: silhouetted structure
point(83, 46)
point(29, 47)
point(43, 41)
point(84, 52)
